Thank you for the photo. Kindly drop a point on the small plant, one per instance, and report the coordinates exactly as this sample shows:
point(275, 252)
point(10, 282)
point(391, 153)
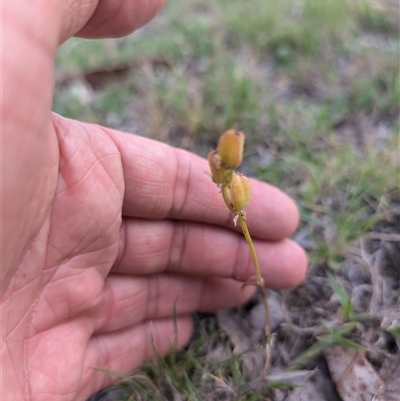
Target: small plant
point(333, 336)
point(347, 307)
point(236, 192)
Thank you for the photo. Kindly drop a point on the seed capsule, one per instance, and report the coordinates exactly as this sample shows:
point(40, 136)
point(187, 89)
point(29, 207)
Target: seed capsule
point(219, 173)
point(230, 148)
point(240, 192)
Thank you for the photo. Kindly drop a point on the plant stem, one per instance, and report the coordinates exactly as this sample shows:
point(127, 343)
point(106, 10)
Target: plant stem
point(259, 281)
point(227, 198)
point(243, 225)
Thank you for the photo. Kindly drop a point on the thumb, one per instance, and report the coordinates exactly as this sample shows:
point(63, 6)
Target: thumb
point(104, 18)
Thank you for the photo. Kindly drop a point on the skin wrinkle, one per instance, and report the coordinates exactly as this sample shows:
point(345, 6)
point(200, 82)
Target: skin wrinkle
point(203, 281)
point(169, 290)
point(123, 240)
point(153, 292)
point(93, 299)
point(148, 192)
point(80, 246)
point(182, 184)
point(13, 367)
point(159, 192)
point(177, 248)
point(95, 145)
point(84, 253)
point(117, 221)
point(64, 161)
point(21, 321)
point(64, 311)
point(108, 301)
point(180, 243)
point(108, 306)
point(148, 170)
point(149, 251)
point(70, 187)
point(206, 208)
point(143, 251)
point(147, 160)
point(93, 228)
point(30, 309)
point(63, 135)
point(49, 309)
point(113, 180)
point(76, 11)
point(159, 197)
point(103, 357)
point(81, 252)
point(14, 292)
point(107, 16)
point(133, 293)
point(202, 241)
point(64, 345)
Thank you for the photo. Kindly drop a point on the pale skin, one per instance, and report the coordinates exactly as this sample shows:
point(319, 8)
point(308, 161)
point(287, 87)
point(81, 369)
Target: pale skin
point(103, 231)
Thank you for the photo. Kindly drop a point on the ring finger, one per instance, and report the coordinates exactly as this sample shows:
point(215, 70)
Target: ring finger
point(132, 300)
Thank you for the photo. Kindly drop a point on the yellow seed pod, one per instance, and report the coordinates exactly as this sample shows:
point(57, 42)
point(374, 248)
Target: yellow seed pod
point(240, 191)
point(219, 174)
point(230, 148)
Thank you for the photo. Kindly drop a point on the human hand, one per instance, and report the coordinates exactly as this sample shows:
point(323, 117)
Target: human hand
point(103, 232)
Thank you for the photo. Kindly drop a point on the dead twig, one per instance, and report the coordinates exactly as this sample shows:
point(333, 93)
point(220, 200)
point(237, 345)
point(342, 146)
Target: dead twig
point(390, 237)
point(373, 262)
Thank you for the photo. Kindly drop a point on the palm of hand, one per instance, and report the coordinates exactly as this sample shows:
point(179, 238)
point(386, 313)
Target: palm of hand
point(65, 309)
point(54, 299)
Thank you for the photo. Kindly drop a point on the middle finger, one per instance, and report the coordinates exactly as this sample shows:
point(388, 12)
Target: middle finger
point(149, 246)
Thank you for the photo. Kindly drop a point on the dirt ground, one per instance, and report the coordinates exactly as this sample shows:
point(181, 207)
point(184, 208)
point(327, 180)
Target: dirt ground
point(329, 367)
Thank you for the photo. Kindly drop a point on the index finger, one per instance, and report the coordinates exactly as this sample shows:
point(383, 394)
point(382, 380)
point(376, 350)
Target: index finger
point(162, 182)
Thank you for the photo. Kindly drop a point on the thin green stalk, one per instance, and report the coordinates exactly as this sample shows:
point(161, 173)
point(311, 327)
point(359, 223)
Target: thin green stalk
point(236, 193)
point(243, 225)
point(227, 198)
point(258, 281)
